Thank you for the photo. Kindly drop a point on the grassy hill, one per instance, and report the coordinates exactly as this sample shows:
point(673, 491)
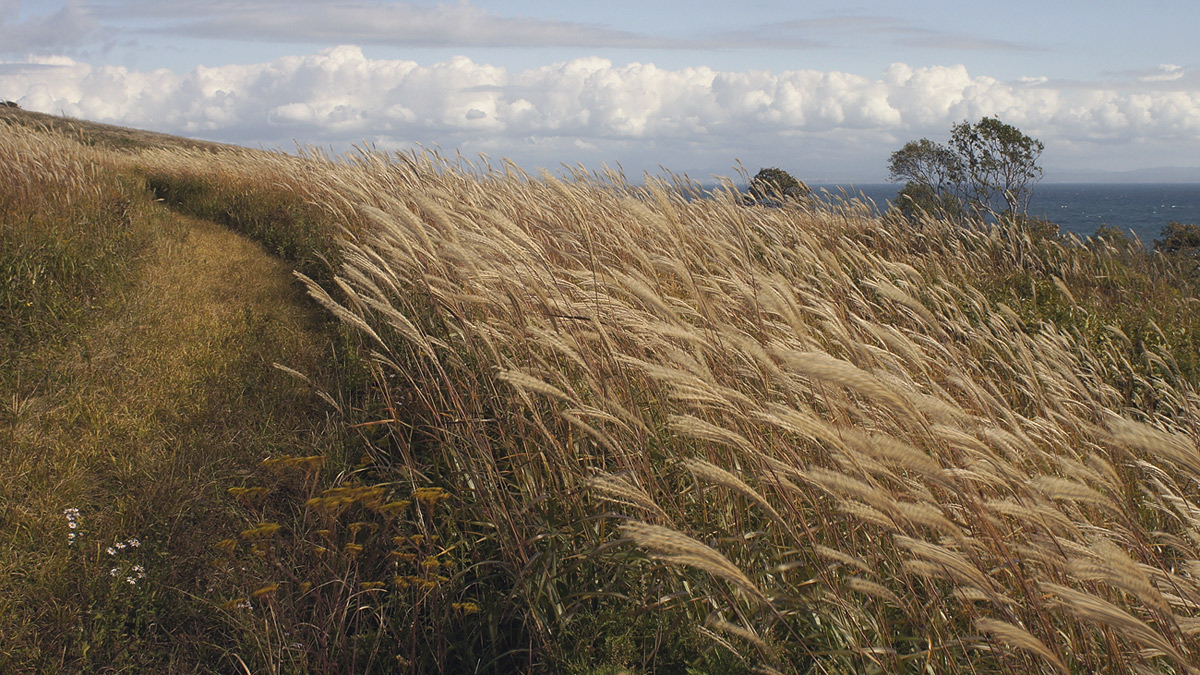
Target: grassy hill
point(569, 424)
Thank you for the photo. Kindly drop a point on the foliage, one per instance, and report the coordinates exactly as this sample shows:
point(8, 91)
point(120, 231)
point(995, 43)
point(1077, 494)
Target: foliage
point(999, 164)
point(1114, 237)
point(988, 167)
point(927, 165)
point(776, 186)
point(915, 199)
point(1179, 238)
point(1180, 245)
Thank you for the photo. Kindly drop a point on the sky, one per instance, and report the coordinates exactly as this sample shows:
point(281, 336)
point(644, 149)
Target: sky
point(824, 89)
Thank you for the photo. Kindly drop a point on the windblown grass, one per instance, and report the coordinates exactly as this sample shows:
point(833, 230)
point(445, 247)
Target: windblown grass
point(611, 426)
point(825, 441)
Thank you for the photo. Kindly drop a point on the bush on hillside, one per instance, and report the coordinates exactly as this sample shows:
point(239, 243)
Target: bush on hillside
point(1179, 238)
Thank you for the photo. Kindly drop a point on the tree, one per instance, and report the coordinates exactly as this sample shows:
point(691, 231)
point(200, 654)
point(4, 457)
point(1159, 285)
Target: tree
point(774, 185)
point(1179, 238)
point(999, 165)
point(925, 163)
point(988, 168)
point(932, 175)
point(917, 197)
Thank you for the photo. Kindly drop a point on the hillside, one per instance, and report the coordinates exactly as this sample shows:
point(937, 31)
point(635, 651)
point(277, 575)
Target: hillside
point(563, 423)
point(102, 135)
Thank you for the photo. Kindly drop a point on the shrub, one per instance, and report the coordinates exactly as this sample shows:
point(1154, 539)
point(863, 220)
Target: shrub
point(1179, 238)
point(775, 186)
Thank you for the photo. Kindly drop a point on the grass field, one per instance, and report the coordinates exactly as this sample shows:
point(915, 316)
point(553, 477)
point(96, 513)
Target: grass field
point(564, 423)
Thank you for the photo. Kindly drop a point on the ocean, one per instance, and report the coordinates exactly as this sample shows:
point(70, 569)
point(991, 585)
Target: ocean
point(1142, 209)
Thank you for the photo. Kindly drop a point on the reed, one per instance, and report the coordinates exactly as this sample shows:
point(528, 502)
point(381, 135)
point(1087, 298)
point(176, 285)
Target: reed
point(873, 408)
point(673, 430)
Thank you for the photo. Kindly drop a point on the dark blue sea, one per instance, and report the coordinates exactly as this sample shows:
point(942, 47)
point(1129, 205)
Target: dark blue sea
point(1142, 209)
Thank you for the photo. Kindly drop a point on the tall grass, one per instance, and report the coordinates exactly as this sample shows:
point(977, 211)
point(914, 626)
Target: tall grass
point(614, 426)
point(66, 235)
point(817, 440)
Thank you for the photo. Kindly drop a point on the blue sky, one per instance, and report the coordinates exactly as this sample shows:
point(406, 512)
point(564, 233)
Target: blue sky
point(824, 89)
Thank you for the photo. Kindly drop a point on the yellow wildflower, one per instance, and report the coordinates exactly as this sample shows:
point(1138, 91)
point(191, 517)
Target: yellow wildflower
point(261, 531)
point(394, 508)
point(430, 496)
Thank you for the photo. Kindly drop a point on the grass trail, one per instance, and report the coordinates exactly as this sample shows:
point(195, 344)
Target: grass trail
point(142, 423)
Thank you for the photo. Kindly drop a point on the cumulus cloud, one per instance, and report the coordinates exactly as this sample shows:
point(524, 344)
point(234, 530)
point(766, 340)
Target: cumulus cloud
point(593, 110)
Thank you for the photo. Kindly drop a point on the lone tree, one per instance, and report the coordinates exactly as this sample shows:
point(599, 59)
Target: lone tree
point(987, 168)
point(774, 185)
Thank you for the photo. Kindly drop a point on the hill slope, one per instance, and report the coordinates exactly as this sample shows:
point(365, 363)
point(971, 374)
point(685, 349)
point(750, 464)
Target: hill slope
point(578, 425)
point(137, 387)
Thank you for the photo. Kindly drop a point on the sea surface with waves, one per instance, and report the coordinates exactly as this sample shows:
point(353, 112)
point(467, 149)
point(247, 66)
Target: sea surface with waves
point(1142, 209)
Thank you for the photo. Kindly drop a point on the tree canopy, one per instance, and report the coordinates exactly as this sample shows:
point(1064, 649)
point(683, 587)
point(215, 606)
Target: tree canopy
point(776, 185)
point(987, 168)
point(1179, 238)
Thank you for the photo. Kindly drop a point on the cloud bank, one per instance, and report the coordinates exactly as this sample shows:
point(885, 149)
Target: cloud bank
point(590, 110)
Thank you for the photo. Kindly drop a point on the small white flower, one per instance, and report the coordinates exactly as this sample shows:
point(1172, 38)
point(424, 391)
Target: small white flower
point(120, 545)
point(110, 550)
point(131, 581)
point(72, 524)
point(113, 572)
point(133, 541)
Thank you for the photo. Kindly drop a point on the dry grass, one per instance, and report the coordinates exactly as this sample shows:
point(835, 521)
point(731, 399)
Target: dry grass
point(782, 389)
point(676, 431)
point(137, 386)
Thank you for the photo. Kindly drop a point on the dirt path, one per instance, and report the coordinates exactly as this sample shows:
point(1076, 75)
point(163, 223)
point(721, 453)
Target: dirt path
point(142, 425)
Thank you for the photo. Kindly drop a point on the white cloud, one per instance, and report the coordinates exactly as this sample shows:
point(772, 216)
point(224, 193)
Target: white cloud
point(593, 111)
point(1167, 72)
